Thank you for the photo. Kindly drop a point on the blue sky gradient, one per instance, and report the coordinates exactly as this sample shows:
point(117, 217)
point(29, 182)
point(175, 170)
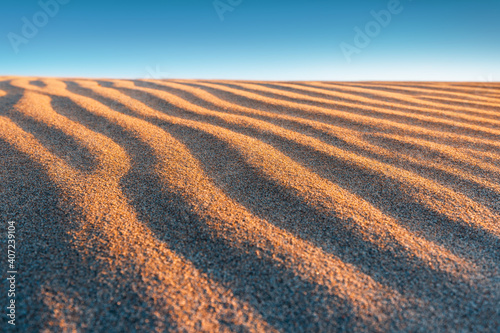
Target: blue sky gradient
point(270, 40)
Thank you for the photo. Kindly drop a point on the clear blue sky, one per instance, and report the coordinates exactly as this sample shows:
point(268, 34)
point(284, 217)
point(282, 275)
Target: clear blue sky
point(257, 39)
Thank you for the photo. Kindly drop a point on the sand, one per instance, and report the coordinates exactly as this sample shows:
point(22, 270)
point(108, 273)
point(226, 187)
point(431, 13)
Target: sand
point(239, 206)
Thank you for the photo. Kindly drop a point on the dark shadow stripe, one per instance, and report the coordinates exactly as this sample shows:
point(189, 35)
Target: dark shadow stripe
point(38, 83)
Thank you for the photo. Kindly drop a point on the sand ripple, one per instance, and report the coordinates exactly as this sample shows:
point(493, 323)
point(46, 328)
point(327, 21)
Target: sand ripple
point(177, 205)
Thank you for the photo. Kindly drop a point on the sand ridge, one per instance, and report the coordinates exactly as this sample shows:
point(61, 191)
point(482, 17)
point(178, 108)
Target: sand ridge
point(183, 205)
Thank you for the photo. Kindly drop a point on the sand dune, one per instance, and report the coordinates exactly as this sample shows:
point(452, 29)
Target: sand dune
point(181, 205)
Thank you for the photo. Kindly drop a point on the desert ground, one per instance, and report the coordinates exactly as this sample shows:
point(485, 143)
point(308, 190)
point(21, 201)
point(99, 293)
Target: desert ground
point(251, 206)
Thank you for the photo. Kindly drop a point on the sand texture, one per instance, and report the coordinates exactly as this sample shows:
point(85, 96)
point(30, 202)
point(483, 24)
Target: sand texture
point(239, 206)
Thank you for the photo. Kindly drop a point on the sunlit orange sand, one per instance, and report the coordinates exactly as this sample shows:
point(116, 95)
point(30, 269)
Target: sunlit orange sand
point(252, 206)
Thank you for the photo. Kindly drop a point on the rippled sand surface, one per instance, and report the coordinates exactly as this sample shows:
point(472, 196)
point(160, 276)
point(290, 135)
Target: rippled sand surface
point(245, 206)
